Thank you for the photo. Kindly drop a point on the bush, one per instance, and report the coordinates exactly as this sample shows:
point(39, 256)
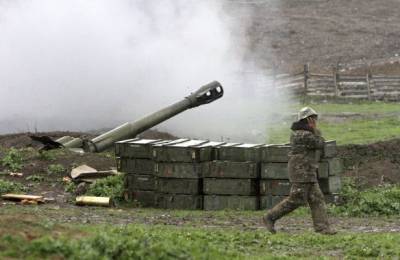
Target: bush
point(13, 160)
point(8, 186)
point(380, 201)
point(112, 186)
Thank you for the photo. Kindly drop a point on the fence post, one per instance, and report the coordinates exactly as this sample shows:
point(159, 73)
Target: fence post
point(306, 75)
point(335, 81)
point(369, 85)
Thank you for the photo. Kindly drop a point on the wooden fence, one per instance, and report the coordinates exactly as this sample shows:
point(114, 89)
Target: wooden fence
point(336, 85)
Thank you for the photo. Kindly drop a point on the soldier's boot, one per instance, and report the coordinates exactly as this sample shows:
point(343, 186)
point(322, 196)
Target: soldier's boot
point(269, 224)
point(284, 207)
point(319, 215)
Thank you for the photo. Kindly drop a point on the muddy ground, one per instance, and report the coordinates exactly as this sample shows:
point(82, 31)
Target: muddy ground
point(208, 219)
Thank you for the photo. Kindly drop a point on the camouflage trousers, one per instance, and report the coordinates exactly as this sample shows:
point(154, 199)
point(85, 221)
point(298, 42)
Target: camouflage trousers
point(301, 194)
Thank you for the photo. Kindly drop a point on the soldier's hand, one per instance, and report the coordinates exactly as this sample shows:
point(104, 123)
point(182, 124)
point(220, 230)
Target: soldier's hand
point(312, 123)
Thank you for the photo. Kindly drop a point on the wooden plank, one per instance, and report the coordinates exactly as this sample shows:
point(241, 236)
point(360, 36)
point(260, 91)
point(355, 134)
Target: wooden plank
point(21, 197)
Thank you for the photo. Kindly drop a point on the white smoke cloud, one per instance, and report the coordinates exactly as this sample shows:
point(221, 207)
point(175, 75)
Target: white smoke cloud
point(80, 65)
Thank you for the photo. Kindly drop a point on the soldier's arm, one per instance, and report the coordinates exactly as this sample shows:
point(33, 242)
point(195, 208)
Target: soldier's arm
point(314, 141)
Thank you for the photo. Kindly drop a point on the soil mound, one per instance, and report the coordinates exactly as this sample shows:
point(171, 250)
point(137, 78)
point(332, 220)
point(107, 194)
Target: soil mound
point(373, 164)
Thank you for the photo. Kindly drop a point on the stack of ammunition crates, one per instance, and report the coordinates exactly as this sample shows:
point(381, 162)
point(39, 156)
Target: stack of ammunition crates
point(231, 182)
point(135, 160)
point(196, 174)
point(179, 171)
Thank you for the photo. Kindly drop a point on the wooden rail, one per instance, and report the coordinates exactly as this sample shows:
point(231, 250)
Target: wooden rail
point(368, 86)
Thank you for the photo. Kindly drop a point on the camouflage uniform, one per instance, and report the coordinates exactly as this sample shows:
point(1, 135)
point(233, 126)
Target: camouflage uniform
point(303, 165)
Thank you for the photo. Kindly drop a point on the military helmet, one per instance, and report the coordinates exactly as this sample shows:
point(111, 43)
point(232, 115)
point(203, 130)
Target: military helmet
point(306, 112)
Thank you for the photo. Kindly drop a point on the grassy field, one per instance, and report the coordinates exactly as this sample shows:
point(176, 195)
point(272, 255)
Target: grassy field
point(367, 122)
point(50, 236)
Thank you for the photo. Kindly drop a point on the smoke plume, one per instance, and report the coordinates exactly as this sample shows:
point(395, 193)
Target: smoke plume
point(82, 65)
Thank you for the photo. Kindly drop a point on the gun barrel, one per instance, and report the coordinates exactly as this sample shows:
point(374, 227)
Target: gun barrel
point(206, 94)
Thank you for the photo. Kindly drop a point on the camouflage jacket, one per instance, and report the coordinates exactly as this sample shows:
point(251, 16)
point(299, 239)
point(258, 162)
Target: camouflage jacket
point(304, 155)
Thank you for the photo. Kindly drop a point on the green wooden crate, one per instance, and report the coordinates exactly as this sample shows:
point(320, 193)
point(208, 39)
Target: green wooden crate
point(332, 166)
point(269, 201)
point(228, 169)
point(220, 202)
point(275, 153)
point(141, 182)
point(330, 149)
point(217, 186)
point(135, 166)
point(279, 171)
point(188, 151)
point(179, 186)
point(179, 201)
point(239, 152)
point(142, 198)
point(137, 148)
point(179, 170)
point(282, 187)
point(331, 185)
point(275, 187)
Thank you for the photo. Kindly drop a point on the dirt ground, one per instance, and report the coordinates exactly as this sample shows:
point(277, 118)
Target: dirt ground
point(374, 164)
point(287, 34)
point(208, 219)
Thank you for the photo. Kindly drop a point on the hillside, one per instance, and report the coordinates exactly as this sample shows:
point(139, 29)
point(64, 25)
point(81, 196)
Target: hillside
point(287, 34)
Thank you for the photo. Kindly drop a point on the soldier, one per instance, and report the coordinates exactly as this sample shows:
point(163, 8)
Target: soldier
point(306, 145)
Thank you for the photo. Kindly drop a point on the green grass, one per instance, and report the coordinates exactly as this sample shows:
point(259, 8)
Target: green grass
point(362, 107)
point(9, 186)
point(356, 131)
point(167, 242)
point(351, 132)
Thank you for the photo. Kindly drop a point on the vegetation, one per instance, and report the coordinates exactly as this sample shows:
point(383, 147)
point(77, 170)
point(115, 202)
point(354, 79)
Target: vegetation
point(166, 242)
point(112, 186)
point(35, 178)
point(13, 160)
point(8, 186)
point(55, 169)
point(379, 201)
point(376, 121)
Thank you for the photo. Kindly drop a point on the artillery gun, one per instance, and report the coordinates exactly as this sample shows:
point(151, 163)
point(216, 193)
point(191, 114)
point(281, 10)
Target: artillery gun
point(204, 95)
